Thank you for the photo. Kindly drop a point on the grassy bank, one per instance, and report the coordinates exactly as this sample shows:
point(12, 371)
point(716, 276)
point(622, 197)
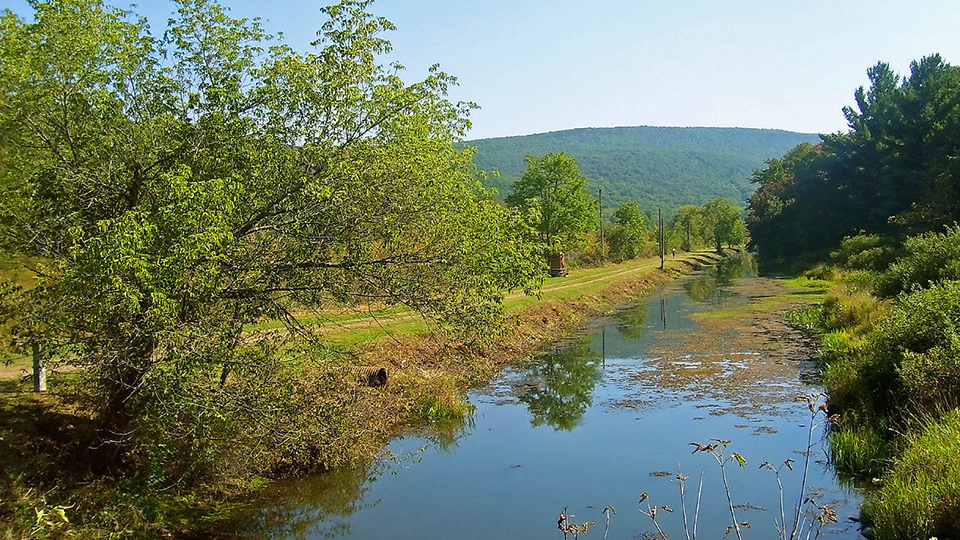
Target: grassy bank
point(890, 356)
point(49, 486)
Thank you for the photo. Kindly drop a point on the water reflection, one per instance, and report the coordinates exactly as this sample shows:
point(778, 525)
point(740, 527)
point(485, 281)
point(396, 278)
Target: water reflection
point(564, 383)
point(723, 274)
point(315, 506)
point(445, 434)
point(321, 505)
point(728, 269)
point(631, 322)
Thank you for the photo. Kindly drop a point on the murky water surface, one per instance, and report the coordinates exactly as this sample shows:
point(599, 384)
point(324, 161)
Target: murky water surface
point(596, 422)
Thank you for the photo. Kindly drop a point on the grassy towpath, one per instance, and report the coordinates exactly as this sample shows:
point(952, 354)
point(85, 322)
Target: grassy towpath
point(347, 330)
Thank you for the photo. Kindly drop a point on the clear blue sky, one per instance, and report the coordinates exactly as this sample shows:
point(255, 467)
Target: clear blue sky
point(539, 65)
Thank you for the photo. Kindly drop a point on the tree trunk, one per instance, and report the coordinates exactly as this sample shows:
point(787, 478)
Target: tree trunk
point(39, 367)
point(122, 379)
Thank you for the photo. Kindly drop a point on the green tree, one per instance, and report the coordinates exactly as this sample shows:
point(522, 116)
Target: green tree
point(171, 191)
point(723, 222)
point(554, 191)
point(787, 213)
point(894, 173)
point(628, 235)
point(687, 228)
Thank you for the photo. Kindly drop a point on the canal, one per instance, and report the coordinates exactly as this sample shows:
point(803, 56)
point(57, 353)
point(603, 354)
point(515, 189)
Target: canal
point(601, 419)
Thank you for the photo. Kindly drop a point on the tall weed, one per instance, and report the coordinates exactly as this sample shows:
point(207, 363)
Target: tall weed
point(921, 496)
point(859, 449)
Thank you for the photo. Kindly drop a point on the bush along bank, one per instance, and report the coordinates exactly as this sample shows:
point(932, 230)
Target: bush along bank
point(890, 355)
point(188, 483)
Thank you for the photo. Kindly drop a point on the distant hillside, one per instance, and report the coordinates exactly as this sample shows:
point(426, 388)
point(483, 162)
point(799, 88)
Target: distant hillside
point(658, 166)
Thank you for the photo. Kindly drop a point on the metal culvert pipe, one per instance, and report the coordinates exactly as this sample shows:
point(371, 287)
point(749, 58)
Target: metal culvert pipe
point(374, 376)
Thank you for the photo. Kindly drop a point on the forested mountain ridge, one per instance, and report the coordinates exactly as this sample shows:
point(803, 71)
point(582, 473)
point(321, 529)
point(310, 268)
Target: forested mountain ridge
point(657, 166)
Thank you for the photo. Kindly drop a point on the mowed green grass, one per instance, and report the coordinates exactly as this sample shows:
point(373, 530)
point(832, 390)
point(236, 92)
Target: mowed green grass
point(367, 327)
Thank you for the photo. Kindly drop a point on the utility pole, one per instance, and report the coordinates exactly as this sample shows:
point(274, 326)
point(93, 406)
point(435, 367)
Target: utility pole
point(603, 246)
point(660, 236)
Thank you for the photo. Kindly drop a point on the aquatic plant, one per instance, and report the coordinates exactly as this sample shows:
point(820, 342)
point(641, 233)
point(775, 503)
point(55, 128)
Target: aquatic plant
point(568, 527)
point(807, 516)
point(606, 512)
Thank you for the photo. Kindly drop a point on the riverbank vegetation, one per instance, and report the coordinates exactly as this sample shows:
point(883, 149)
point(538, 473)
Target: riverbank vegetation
point(874, 210)
point(165, 192)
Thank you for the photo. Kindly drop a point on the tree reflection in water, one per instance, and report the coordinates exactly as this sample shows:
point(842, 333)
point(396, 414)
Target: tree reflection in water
point(721, 275)
point(311, 507)
point(631, 322)
point(564, 383)
point(317, 506)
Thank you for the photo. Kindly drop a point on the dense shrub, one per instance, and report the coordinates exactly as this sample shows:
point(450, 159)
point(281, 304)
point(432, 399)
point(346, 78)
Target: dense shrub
point(929, 258)
point(841, 358)
point(861, 280)
point(914, 353)
point(821, 271)
point(864, 252)
point(851, 309)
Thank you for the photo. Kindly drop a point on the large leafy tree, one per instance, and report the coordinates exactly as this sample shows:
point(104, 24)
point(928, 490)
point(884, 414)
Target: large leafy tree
point(722, 222)
point(794, 210)
point(629, 233)
point(166, 192)
point(554, 192)
point(686, 228)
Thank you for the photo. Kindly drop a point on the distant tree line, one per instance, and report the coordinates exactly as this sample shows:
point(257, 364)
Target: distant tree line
point(554, 198)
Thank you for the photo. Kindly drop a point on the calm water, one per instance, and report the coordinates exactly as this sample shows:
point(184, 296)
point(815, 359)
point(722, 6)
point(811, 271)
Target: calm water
point(593, 422)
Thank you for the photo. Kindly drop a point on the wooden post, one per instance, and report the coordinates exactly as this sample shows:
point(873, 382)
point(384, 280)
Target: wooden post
point(39, 367)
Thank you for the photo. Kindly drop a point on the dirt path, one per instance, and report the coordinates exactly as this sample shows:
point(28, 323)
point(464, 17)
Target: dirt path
point(20, 366)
